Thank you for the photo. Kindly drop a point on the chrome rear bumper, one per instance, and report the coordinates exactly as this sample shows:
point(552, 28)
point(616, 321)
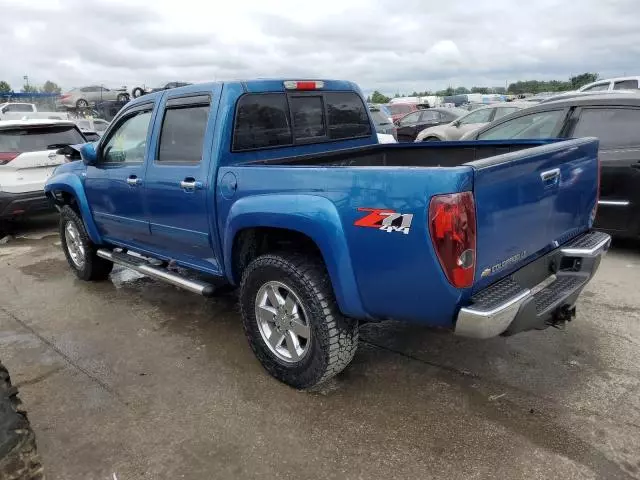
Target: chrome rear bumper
point(510, 307)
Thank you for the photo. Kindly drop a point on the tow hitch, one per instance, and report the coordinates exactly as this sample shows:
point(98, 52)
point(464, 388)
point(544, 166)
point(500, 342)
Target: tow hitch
point(562, 315)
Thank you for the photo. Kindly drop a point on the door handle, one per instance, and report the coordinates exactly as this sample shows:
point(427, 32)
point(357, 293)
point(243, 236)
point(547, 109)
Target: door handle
point(190, 184)
point(133, 181)
point(550, 177)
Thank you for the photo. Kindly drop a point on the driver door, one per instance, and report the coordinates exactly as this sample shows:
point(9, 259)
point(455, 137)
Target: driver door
point(115, 184)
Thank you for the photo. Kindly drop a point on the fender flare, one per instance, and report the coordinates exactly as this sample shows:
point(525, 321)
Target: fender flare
point(70, 183)
point(314, 216)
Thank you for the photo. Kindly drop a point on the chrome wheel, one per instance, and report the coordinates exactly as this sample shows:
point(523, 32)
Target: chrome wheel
point(283, 322)
point(74, 245)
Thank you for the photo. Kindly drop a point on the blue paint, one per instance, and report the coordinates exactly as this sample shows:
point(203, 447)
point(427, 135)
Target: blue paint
point(375, 274)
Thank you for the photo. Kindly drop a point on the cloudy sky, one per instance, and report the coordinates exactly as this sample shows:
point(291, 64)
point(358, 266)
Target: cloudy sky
point(388, 45)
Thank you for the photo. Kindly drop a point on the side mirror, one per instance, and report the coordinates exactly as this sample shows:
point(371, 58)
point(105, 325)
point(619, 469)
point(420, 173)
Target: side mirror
point(89, 153)
point(456, 123)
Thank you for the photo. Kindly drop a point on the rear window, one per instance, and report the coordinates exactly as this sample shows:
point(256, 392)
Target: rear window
point(17, 107)
point(379, 118)
point(273, 120)
point(399, 108)
point(36, 139)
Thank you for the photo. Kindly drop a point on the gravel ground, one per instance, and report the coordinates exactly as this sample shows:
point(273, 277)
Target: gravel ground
point(134, 379)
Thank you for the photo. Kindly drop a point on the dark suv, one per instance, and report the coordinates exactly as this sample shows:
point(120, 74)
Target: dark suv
point(615, 120)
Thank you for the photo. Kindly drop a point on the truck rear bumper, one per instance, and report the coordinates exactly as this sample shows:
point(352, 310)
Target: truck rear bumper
point(538, 295)
point(20, 204)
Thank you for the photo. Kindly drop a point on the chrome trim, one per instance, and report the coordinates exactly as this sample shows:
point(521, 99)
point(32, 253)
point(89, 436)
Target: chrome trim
point(489, 323)
point(615, 203)
point(599, 249)
point(190, 285)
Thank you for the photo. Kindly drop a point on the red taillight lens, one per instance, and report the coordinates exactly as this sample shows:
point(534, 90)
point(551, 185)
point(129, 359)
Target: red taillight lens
point(452, 225)
point(6, 157)
point(303, 84)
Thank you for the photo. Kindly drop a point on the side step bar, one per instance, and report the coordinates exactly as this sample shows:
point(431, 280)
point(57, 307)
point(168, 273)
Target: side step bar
point(141, 266)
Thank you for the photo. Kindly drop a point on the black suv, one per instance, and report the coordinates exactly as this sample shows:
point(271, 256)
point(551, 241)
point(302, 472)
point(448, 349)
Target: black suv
point(615, 120)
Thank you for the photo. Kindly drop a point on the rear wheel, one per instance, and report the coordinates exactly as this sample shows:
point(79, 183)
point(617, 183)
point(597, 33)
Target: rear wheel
point(82, 103)
point(292, 320)
point(431, 139)
point(18, 455)
point(123, 97)
point(79, 250)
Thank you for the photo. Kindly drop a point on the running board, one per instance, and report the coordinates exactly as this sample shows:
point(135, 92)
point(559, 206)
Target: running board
point(159, 273)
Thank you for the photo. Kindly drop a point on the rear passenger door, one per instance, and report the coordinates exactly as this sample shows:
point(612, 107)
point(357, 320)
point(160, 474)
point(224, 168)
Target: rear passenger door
point(618, 129)
point(179, 199)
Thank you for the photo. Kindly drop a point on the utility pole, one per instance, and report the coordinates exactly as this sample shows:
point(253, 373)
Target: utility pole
point(26, 79)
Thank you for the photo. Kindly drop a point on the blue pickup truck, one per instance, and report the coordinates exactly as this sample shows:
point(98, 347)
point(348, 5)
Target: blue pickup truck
point(280, 188)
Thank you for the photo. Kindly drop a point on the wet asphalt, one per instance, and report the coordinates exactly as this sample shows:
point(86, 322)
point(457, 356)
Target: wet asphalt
point(134, 379)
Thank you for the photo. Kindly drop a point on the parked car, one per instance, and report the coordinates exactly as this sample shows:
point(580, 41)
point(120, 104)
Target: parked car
point(139, 91)
point(84, 96)
point(410, 125)
point(383, 122)
point(321, 227)
point(27, 111)
point(467, 122)
point(399, 110)
point(619, 83)
point(29, 152)
point(567, 95)
point(615, 120)
point(16, 107)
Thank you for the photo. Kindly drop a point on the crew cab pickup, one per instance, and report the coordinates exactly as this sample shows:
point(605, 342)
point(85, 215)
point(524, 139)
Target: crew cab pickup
point(280, 188)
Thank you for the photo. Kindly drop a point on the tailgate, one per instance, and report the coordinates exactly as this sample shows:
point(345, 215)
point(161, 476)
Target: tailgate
point(528, 202)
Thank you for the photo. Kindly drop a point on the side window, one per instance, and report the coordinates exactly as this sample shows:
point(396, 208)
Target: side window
point(262, 120)
point(479, 116)
point(615, 127)
point(347, 116)
point(626, 85)
point(308, 118)
point(128, 141)
point(427, 116)
point(182, 135)
point(502, 111)
point(410, 119)
point(597, 88)
point(532, 126)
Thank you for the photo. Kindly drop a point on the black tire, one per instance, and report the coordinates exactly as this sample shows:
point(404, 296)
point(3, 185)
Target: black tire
point(18, 453)
point(81, 103)
point(123, 97)
point(334, 337)
point(137, 92)
point(93, 268)
point(431, 139)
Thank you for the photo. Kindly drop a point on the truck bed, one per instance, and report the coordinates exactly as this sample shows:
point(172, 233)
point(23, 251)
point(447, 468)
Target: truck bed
point(428, 154)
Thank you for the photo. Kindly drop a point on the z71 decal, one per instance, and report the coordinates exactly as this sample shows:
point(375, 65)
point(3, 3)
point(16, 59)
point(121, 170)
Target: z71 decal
point(385, 220)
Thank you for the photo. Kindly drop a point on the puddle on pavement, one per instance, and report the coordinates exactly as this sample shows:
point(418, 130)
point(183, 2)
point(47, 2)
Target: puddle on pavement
point(48, 269)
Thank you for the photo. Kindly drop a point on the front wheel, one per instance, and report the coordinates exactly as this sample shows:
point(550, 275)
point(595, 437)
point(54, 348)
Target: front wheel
point(431, 139)
point(79, 249)
point(292, 320)
point(82, 103)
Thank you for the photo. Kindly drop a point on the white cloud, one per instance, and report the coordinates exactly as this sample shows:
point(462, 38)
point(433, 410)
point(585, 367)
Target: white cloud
point(381, 44)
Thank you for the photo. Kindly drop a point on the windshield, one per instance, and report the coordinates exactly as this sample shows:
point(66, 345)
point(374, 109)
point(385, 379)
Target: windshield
point(35, 139)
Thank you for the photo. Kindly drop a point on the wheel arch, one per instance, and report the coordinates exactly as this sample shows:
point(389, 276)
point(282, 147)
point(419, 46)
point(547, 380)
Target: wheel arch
point(257, 225)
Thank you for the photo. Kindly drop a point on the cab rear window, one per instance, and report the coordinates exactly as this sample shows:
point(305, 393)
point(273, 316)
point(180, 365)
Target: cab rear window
point(38, 138)
point(278, 120)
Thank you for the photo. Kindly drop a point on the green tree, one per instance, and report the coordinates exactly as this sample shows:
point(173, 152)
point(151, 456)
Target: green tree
point(461, 91)
point(29, 89)
point(482, 90)
point(582, 79)
point(4, 87)
point(377, 97)
point(50, 87)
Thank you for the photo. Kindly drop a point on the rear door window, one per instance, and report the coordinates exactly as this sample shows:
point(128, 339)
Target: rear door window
point(532, 126)
point(615, 127)
point(182, 134)
point(36, 139)
point(626, 85)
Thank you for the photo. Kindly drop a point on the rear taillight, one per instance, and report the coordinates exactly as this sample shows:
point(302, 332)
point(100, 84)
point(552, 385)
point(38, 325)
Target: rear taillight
point(303, 84)
point(6, 157)
point(452, 225)
point(63, 97)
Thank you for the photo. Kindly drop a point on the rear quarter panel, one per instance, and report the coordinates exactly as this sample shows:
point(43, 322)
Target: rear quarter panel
point(375, 274)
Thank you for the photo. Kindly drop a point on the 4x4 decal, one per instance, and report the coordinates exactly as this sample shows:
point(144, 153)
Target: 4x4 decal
point(385, 220)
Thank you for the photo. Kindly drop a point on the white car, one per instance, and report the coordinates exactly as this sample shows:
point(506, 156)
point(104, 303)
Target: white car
point(29, 152)
point(619, 83)
point(386, 138)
